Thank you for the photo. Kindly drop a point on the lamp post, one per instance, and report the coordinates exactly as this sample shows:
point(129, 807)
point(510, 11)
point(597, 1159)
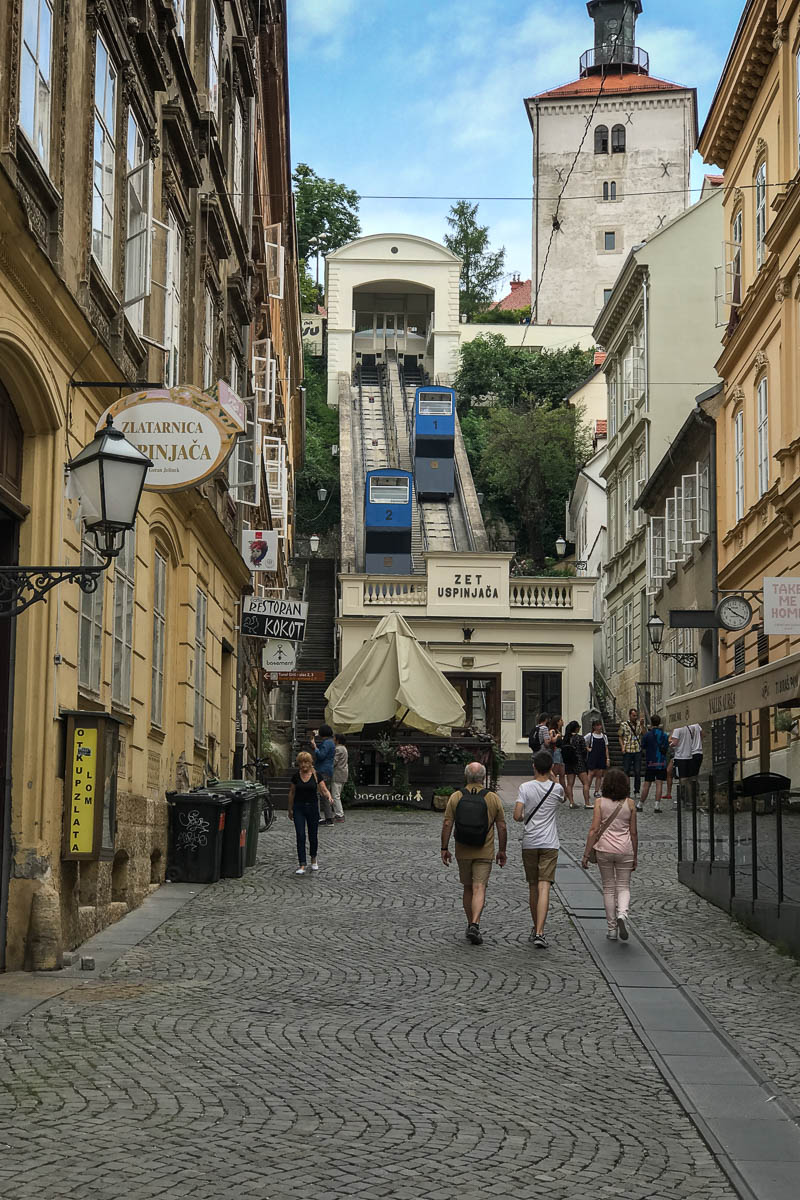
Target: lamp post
point(655, 632)
point(109, 473)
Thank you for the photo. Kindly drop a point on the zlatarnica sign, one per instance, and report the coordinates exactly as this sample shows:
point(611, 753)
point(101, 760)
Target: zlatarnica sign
point(187, 433)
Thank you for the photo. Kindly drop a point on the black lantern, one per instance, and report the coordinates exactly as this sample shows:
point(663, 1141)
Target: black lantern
point(655, 631)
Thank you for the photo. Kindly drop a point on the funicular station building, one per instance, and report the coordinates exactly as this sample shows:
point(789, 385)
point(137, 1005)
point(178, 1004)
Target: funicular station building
point(511, 646)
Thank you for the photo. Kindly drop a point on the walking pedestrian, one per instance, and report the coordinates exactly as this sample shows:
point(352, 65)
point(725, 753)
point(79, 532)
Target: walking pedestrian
point(697, 748)
point(304, 789)
point(655, 745)
point(476, 813)
point(574, 752)
point(614, 840)
point(341, 773)
point(683, 741)
point(557, 748)
point(536, 807)
point(539, 736)
point(598, 759)
point(324, 753)
point(630, 743)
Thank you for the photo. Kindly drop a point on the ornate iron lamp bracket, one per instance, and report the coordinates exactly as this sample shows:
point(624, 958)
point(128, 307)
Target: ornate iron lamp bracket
point(685, 660)
point(20, 587)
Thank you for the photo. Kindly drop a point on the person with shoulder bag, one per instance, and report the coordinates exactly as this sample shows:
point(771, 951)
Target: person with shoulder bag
point(537, 803)
point(613, 843)
point(304, 793)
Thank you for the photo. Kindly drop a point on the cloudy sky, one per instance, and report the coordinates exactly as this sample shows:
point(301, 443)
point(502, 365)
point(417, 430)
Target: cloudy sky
point(424, 97)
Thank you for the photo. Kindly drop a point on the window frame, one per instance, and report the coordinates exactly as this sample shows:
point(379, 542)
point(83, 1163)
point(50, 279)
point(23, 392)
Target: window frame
point(762, 435)
point(627, 633)
point(533, 699)
point(238, 158)
point(140, 240)
point(159, 638)
point(601, 139)
point(738, 463)
point(90, 623)
point(122, 627)
point(36, 59)
point(200, 664)
point(173, 300)
point(761, 213)
point(105, 202)
point(209, 321)
point(609, 234)
point(618, 135)
point(213, 63)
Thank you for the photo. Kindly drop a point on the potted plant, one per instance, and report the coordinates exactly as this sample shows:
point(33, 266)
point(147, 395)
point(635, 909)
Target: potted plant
point(405, 755)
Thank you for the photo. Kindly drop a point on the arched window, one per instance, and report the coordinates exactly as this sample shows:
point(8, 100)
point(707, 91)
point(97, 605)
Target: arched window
point(613, 191)
point(605, 191)
point(763, 437)
point(618, 139)
point(735, 265)
point(601, 139)
point(761, 213)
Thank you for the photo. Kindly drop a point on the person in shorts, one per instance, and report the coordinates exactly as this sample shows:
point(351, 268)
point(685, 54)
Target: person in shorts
point(475, 862)
point(655, 744)
point(536, 807)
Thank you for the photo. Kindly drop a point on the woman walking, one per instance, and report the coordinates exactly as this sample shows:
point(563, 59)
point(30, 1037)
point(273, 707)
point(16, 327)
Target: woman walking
point(614, 837)
point(574, 752)
point(557, 748)
point(341, 772)
point(324, 753)
point(304, 809)
point(598, 759)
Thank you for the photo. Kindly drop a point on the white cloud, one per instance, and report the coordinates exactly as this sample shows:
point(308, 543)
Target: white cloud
point(323, 25)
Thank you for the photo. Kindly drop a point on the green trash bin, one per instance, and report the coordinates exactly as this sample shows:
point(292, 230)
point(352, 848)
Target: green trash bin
point(255, 793)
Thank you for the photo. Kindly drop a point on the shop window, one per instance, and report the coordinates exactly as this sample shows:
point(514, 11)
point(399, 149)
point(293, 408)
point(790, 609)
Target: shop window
point(34, 77)
point(541, 692)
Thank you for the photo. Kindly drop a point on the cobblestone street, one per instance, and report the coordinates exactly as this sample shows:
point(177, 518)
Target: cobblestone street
point(337, 1036)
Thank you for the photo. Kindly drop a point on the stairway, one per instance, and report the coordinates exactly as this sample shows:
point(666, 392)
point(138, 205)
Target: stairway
point(611, 729)
point(317, 649)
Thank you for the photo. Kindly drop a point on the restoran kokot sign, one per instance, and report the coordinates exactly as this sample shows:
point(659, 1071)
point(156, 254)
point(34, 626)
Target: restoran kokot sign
point(187, 433)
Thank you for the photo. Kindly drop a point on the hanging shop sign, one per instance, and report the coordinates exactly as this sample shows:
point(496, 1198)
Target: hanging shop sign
point(274, 618)
point(781, 606)
point(90, 785)
point(260, 549)
point(301, 675)
point(776, 683)
point(379, 796)
point(313, 327)
point(279, 655)
point(187, 433)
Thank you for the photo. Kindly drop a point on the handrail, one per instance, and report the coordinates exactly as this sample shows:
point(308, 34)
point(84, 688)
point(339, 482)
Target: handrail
point(606, 700)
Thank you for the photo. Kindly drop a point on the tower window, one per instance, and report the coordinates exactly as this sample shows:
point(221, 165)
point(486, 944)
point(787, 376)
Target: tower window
point(601, 139)
point(609, 191)
point(618, 139)
point(610, 240)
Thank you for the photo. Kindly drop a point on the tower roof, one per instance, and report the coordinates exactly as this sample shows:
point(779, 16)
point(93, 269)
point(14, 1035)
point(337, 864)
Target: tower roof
point(627, 83)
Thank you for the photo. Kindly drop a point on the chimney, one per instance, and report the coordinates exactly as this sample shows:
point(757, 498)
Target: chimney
point(515, 281)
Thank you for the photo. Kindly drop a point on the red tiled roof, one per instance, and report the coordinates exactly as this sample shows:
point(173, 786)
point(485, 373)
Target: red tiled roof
point(518, 297)
point(714, 180)
point(613, 85)
point(600, 357)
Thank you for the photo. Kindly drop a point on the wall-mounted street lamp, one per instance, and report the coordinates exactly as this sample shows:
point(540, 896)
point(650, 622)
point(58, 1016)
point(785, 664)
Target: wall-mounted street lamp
point(314, 543)
point(322, 494)
point(655, 631)
point(109, 474)
point(561, 547)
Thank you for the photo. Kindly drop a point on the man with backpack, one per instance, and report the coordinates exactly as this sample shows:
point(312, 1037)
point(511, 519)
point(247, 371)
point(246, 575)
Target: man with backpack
point(655, 744)
point(475, 812)
point(536, 807)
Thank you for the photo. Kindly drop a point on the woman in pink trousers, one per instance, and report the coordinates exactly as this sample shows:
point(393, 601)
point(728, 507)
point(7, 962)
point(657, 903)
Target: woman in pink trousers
point(614, 838)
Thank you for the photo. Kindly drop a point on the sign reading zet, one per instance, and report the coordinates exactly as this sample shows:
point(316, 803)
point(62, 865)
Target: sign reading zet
point(781, 605)
point(274, 618)
point(83, 791)
point(187, 433)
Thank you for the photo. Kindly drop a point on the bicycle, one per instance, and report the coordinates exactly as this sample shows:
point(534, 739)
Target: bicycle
point(258, 770)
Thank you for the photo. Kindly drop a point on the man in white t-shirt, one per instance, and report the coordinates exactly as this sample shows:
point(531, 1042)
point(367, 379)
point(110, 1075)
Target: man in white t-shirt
point(683, 741)
point(537, 803)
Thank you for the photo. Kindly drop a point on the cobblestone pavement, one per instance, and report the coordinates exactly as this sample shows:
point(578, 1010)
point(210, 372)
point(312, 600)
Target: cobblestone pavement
point(336, 1036)
point(748, 986)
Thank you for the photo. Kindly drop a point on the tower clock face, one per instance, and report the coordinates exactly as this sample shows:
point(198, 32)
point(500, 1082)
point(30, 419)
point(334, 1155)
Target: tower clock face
point(734, 612)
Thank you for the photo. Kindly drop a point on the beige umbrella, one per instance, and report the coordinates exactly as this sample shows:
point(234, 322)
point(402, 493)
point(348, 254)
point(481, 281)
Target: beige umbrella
point(392, 676)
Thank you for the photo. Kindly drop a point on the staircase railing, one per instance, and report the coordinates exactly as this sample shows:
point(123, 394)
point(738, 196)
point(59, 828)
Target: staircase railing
point(603, 699)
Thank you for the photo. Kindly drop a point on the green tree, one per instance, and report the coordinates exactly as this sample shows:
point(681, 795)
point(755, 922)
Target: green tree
point(481, 267)
point(320, 467)
point(326, 211)
point(513, 377)
point(528, 468)
point(309, 292)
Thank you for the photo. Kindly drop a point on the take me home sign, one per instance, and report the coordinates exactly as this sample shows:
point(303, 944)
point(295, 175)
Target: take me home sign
point(274, 618)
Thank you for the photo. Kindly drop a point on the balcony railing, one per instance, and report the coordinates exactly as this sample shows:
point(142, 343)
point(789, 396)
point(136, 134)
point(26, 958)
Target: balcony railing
point(536, 593)
point(612, 57)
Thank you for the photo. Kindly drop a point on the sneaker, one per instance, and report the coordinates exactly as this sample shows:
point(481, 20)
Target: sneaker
point(315, 866)
point(639, 806)
point(622, 928)
point(474, 935)
point(329, 821)
point(300, 871)
point(657, 808)
point(540, 942)
point(532, 936)
point(338, 820)
point(612, 935)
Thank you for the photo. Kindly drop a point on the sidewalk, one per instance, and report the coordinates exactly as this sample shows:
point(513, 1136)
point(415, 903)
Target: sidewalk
point(336, 1035)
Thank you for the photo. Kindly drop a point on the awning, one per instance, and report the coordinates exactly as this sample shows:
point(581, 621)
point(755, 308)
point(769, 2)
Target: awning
point(392, 675)
point(777, 683)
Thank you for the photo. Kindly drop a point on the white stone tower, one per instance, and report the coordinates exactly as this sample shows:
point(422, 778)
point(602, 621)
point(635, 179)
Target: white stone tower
point(631, 176)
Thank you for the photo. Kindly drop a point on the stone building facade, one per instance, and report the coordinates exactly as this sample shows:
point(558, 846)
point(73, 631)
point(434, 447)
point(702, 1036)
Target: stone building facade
point(634, 136)
point(146, 234)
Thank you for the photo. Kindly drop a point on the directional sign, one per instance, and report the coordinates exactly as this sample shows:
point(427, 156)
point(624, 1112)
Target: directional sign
point(274, 618)
point(279, 655)
point(289, 676)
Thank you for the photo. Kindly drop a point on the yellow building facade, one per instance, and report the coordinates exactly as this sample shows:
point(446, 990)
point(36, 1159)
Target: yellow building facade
point(753, 132)
point(175, 129)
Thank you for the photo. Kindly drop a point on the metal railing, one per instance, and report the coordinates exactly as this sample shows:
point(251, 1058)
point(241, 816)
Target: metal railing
point(613, 57)
point(604, 699)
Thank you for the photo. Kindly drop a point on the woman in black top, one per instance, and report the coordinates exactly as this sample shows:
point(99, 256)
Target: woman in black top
point(304, 792)
point(574, 752)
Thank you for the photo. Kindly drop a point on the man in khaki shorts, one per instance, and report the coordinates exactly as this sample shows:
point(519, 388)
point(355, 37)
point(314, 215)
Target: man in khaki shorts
point(536, 807)
point(475, 812)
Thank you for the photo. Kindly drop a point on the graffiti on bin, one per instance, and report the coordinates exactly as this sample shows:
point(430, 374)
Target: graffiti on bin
point(194, 833)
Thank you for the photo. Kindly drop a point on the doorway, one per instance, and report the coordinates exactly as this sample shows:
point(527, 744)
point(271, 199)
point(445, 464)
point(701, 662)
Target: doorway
point(481, 698)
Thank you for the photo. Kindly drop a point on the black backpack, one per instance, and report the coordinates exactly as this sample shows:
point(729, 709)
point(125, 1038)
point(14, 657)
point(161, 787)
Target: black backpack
point(472, 818)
